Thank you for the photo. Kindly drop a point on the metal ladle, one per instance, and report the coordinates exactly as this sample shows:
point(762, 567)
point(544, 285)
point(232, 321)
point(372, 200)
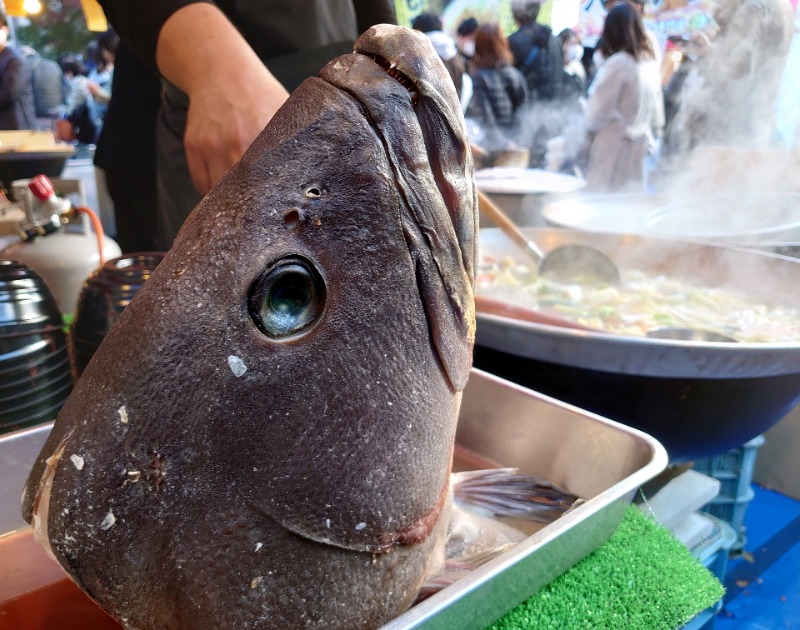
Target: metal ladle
point(571, 263)
point(566, 263)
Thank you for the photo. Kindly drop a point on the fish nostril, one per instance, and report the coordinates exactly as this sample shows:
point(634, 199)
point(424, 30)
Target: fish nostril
point(291, 219)
point(313, 193)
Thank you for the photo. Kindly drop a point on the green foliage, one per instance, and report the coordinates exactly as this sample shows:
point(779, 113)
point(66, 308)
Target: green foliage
point(453, 11)
point(60, 28)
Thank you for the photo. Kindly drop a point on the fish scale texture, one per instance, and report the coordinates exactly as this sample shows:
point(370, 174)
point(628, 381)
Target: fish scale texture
point(291, 374)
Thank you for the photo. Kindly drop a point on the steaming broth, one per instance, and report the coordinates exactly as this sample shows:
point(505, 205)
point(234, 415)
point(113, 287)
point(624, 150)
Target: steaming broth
point(642, 301)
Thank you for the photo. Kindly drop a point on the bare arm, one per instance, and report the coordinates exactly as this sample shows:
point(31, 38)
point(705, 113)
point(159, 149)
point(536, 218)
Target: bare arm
point(100, 95)
point(232, 95)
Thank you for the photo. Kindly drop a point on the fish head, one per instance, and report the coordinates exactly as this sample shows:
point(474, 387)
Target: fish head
point(293, 366)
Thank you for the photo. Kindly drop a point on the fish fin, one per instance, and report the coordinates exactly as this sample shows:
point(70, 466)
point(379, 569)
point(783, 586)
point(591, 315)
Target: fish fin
point(505, 492)
point(473, 539)
point(474, 535)
point(450, 573)
point(450, 320)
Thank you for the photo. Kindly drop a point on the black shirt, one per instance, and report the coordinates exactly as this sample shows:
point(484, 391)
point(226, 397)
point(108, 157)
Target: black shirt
point(128, 138)
point(273, 28)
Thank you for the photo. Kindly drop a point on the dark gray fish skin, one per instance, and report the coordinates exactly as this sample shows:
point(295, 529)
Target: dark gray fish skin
point(312, 489)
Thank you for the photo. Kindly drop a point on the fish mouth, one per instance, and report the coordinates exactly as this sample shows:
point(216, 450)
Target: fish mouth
point(391, 69)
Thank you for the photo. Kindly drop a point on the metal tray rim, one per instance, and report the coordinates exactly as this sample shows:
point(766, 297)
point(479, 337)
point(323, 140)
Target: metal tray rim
point(623, 490)
point(677, 358)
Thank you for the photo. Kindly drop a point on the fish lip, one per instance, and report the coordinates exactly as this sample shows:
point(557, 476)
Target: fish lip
point(409, 57)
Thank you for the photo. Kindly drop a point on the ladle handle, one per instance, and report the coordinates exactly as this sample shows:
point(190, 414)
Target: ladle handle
point(491, 306)
point(509, 228)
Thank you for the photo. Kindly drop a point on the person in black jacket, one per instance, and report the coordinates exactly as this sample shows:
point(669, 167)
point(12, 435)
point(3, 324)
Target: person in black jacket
point(499, 89)
point(465, 39)
point(537, 51)
point(228, 67)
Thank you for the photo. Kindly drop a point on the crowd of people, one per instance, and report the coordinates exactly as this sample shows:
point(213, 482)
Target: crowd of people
point(170, 133)
point(610, 113)
point(534, 85)
point(35, 92)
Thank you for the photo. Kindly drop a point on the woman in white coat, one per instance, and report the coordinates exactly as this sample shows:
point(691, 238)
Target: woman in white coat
point(623, 104)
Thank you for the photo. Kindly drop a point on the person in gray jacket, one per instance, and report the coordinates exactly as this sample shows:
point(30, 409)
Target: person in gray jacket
point(16, 88)
point(50, 87)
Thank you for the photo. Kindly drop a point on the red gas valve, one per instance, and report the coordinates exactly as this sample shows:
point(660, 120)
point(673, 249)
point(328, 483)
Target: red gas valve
point(42, 189)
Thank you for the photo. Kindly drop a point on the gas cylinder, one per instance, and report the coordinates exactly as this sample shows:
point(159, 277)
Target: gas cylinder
point(57, 241)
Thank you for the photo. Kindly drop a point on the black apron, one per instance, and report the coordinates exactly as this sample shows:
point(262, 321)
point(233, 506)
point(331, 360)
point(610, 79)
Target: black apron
point(318, 31)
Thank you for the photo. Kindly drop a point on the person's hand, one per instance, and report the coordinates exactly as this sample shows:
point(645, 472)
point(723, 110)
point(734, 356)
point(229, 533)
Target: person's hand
point(232, 95)
point(93, 87)
point(225, 116)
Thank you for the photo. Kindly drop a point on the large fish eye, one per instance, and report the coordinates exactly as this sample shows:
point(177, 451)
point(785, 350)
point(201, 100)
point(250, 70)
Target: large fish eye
point(287, 298)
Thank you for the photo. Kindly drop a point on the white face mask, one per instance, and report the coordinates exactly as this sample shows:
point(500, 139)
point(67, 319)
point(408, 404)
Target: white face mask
point(574, 52)
point(597, 58)
point(3, 35)
point(468, 47)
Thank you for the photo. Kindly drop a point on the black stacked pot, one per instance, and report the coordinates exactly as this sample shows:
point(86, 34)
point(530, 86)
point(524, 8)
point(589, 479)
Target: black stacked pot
point(104, 295)
point(35, 376)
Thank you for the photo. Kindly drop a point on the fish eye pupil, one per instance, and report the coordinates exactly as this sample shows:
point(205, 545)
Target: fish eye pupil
point(287, 298)
point(291, 295)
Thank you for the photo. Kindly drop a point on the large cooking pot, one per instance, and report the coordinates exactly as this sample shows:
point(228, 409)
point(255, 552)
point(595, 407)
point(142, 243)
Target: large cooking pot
point(698, 398)
point(768, 221)
point(761, 220)
point(522, 192)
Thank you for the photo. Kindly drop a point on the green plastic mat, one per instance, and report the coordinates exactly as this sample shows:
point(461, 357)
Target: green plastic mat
point(641, 578)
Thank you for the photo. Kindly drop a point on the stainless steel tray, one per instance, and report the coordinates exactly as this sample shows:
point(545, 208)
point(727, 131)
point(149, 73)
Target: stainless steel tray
point(500, 424)
point(596, 458)
point(18, 450)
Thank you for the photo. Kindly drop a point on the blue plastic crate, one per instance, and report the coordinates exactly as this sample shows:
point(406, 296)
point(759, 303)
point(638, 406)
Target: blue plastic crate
point(733, 469)
point(713, 551)
point(732, 511)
